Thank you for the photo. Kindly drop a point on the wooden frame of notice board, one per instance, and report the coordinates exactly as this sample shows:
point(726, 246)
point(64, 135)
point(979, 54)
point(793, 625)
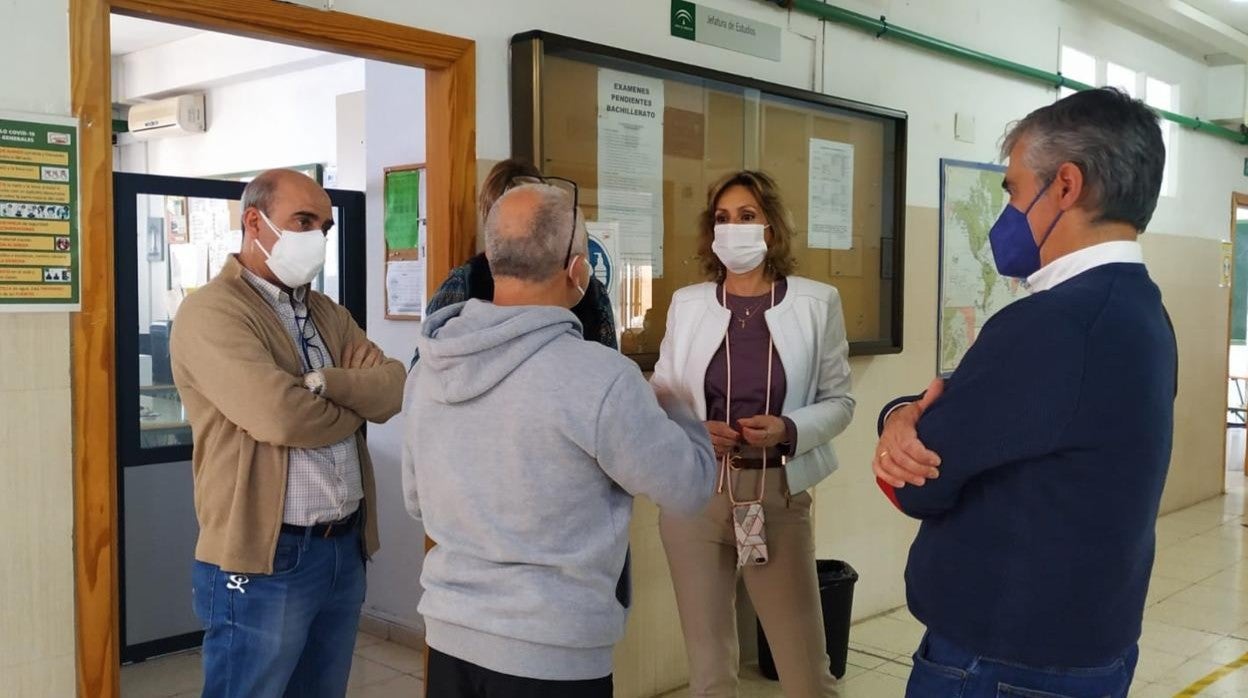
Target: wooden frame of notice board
point(403, 232)
point(556, 117)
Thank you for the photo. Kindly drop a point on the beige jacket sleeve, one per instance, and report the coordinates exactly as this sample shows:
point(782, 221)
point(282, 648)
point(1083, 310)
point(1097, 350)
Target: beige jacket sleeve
point(376, 394)
point(217, 354)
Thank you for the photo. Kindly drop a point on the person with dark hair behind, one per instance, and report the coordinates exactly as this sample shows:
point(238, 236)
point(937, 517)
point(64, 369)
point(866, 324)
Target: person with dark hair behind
point(1052, 440)
point(474, 280)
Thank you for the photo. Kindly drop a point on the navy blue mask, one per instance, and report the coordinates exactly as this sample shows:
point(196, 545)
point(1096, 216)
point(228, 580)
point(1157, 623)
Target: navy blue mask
point(1014, 248)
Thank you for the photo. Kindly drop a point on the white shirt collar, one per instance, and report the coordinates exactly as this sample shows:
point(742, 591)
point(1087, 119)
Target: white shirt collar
point(1066, 268)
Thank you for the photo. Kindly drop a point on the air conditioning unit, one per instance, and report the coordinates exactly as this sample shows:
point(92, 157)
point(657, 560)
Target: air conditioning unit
point(176, 116)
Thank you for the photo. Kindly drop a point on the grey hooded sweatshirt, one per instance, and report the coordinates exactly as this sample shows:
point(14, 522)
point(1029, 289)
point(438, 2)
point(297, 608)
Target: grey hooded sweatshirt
point(525, 445)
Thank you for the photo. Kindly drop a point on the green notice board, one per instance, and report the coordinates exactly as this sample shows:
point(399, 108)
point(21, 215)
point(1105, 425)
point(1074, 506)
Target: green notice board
point(38, 213)
point(1239, 290)
point(402, 194)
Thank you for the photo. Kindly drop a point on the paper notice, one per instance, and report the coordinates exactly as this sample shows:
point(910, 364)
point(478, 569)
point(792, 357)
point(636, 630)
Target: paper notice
point(630, 164)
point(190, 265)
point(831, 204)
point(405, 287)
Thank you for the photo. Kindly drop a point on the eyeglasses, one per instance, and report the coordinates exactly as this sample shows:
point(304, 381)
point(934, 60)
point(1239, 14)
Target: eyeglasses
point(564, 184)
point(307, 341)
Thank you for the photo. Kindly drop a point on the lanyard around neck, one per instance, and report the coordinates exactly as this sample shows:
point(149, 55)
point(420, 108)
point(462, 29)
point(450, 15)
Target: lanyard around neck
point(724, 474)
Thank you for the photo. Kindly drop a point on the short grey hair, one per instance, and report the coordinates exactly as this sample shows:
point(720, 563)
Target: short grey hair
point(259, 194)
point(1113, 139)
point(533, 248)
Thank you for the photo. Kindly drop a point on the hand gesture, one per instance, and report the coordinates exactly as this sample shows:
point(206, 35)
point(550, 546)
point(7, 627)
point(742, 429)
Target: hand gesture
point(900, 458)
point(724, 438)
point(763, 431)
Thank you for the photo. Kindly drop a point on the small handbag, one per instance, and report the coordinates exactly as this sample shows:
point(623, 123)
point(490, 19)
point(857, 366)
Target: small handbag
point(750, 525)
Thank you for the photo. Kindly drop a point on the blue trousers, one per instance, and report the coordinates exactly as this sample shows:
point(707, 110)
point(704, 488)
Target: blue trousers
point(290, 633)
point(944, 670)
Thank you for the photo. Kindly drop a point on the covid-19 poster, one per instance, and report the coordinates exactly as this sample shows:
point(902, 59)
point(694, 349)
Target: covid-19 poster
point(38, 213)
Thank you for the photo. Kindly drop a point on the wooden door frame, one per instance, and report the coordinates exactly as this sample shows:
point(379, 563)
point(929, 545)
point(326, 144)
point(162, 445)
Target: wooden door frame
point(450, 105)
point(1238, 201)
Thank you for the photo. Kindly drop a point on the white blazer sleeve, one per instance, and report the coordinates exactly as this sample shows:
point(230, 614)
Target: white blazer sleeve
point(833, 408)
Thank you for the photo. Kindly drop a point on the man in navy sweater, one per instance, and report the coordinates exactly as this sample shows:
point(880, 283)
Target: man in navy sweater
point(1037, 470)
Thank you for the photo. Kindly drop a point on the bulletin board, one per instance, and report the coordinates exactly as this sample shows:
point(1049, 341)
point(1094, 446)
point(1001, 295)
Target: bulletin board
point(404, 225)
point(645, 138)
point(1239, 278)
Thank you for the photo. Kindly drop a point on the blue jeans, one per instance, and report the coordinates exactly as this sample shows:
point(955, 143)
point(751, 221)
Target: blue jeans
point(944, 670)
point(291, 633)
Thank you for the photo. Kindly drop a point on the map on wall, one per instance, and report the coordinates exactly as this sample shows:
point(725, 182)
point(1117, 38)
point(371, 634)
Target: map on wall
point(971, 290)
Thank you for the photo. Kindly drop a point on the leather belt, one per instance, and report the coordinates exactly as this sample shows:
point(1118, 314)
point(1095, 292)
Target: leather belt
point(758, 463)
point(333, 529)
point(751, 458)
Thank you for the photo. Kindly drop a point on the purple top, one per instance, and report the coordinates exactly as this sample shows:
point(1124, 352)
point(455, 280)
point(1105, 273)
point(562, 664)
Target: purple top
point(747, 330)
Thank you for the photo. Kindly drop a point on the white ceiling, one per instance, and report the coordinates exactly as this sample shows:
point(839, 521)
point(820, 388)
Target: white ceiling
point(1215, 31)
point(130, 34)
point(1228, 11)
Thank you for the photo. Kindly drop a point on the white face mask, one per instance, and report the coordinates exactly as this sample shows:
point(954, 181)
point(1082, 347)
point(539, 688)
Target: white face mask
point(297, 257)
point(572, 275)
point(740, 246)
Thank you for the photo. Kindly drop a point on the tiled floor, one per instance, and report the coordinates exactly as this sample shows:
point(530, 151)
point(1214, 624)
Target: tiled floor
point(381, 670)
point(1196, 623)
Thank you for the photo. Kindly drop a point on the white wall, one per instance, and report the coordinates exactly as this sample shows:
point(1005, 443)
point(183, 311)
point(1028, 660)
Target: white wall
point(36, 488)
point(857, 66)
point(278, 121)
point(394, 134)
point(174, 67)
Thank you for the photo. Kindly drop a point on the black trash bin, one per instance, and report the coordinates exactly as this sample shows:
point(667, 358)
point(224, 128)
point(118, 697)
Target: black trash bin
point(836, 595)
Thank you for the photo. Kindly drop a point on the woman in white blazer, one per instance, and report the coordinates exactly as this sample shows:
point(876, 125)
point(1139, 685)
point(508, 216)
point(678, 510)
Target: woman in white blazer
point(762, 357)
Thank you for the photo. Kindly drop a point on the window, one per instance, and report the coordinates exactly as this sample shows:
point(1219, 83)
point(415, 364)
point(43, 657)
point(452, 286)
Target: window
point(1124, 79)
point(1079, 66)
point(1161, 95)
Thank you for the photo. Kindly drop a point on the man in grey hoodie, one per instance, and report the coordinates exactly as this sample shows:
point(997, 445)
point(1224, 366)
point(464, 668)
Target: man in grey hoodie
point(525, 446)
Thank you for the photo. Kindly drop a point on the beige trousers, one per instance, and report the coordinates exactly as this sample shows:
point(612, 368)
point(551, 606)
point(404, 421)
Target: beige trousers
point(702, 554)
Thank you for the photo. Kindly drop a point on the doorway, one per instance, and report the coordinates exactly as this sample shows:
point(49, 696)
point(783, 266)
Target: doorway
point(156, 522)
point(1237, 358)
point(450, 160)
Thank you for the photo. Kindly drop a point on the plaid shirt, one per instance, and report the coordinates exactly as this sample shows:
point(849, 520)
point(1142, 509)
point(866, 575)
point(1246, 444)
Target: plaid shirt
point(322, 484)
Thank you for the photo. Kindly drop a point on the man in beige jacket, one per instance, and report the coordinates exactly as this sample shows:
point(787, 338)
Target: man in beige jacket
point(278, 381)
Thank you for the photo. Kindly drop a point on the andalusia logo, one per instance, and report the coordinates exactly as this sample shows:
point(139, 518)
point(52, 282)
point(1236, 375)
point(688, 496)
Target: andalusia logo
point(683, 14)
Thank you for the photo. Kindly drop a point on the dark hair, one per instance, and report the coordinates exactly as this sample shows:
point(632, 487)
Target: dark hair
point(499, 178)
point(1114, 140)
point(780, 260)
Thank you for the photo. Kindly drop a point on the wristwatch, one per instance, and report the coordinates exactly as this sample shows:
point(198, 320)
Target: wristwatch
point(314, 381)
